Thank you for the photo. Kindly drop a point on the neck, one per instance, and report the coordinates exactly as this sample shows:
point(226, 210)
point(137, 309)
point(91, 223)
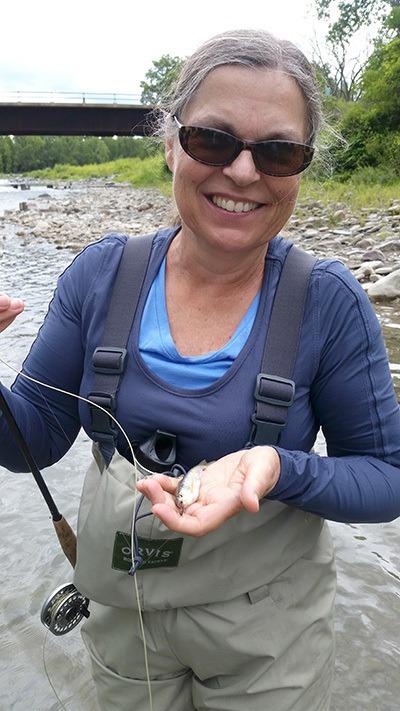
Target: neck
point(218, 269)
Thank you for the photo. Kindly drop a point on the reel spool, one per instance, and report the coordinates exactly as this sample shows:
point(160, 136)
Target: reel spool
point(63, 610)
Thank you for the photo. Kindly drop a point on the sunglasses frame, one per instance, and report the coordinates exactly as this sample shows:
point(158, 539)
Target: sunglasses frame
point(242, 146)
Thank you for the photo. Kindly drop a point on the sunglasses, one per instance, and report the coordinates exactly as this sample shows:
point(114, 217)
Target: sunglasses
point(214, 147)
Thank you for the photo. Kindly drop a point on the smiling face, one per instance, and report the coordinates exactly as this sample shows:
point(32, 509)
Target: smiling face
point(236, 207)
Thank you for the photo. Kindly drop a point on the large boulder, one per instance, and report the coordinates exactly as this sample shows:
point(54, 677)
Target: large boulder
point(385, 289)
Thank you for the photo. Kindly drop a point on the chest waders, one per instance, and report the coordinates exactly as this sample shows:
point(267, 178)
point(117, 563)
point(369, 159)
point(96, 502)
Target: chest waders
point(104, 555)
point(248, 608)
point(241, 618)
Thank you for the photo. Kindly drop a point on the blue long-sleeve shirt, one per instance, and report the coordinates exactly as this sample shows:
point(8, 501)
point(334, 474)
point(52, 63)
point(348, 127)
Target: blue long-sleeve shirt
point(343, 385)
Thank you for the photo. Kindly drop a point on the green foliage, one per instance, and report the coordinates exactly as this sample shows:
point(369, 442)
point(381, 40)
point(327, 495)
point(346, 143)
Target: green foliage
point(351, 16)
point(160, 79)
point(25, 153)
point(392, 22)
point(381, 82)
point(345, 19)
point(6, 155)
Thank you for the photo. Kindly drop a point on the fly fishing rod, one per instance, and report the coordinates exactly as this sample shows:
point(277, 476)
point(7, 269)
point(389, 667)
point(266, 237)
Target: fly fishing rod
point(65, 608)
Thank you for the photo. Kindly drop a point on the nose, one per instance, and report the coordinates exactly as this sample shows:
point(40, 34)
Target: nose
point(242, 170)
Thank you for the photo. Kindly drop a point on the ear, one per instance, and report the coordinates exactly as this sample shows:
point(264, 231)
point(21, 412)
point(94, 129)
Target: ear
point(169, 153)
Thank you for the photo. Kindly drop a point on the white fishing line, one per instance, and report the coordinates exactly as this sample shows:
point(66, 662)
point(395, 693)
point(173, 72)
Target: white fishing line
point(47, 673)
point(83, 399)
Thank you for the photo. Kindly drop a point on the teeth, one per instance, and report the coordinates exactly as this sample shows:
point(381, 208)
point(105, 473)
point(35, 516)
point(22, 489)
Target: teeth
point(232, 206)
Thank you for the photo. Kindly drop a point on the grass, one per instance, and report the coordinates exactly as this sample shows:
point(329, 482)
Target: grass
point(350, 194)
point(140, 173)
point(361, 191)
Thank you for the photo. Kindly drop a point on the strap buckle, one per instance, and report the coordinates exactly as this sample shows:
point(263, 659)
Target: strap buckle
point(263, 433)
point(109, 360)
point(282, 394)
point(277, 392)
point(103, 428)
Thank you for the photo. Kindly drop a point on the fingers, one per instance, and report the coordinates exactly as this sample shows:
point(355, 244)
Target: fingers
point(152, 489)
point(196, 520)
point(9, 310)
point(172, 519)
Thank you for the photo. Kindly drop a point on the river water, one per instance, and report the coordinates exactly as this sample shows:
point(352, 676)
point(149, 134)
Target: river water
point(368, 556)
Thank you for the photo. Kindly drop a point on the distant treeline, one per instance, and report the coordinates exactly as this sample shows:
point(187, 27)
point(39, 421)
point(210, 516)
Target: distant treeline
point(25, 153)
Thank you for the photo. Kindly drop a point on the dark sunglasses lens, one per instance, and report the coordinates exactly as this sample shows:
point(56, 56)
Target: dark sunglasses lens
point(282, 157)
point(208, 146)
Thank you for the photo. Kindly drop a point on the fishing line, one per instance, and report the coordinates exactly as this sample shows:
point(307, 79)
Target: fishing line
point(47, 673)
point(43, 396)
point(135, 465)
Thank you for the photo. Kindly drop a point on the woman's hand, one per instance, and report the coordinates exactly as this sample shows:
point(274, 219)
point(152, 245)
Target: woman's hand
point(229, 485)
point(9, 310)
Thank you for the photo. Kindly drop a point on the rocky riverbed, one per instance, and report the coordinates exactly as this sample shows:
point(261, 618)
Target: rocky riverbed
point(367, 242)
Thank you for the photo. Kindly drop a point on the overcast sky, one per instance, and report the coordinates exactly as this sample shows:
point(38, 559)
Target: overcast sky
point(88, 46)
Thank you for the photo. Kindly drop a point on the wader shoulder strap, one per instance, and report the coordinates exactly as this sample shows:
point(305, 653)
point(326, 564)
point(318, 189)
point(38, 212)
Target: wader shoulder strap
point(275, 389)
point(109, 359)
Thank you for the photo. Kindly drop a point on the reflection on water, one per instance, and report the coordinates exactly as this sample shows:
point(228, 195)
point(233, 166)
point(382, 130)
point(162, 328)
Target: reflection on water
point(368, 556)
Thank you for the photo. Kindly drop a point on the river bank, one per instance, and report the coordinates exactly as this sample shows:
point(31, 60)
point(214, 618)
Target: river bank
point(366, 240)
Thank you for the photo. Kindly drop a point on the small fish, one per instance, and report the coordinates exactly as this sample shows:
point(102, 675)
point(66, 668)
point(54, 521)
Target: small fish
point(189, 487)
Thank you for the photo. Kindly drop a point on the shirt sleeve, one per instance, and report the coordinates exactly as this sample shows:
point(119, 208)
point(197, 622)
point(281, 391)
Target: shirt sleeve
point(49, 421)
point(354, 402)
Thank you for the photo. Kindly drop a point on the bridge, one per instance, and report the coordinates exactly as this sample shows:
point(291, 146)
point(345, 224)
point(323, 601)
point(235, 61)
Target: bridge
point(72, 114)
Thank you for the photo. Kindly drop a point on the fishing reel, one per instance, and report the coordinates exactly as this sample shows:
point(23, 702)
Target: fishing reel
point(64, 609)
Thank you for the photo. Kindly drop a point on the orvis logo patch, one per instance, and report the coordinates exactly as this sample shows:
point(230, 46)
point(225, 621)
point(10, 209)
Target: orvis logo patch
point(156, 552)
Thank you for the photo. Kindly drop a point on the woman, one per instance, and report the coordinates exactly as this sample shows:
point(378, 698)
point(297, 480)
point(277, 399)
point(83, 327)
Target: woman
point(243, 617)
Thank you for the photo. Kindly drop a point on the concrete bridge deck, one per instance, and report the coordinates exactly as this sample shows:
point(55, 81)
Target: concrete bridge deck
point(72, 114)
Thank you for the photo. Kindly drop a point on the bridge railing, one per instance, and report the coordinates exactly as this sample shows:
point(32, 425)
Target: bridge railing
point(67, 97)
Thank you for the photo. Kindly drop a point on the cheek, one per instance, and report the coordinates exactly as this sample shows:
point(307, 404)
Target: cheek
point(285, 190)
point(189, 175)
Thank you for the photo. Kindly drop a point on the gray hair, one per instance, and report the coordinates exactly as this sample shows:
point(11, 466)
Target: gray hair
point(247, 48)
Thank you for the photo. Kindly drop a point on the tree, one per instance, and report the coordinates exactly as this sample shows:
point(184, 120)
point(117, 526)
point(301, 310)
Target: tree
point(392, 22)
point(352, 15)
point(160, 78)
point(345, 19)
point(371, 125)
point(339, 73)
point(381, 81)
point(27, 153)
point(6, 154)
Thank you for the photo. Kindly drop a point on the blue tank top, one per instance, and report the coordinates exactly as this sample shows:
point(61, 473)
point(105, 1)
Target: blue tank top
point(159, 352)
